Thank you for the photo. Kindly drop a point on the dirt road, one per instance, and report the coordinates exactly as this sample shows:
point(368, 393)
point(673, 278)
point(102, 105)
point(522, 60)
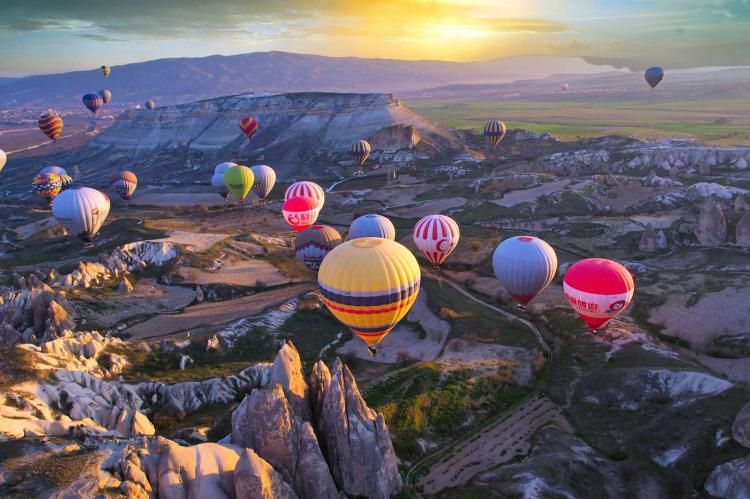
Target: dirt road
point(214, 314)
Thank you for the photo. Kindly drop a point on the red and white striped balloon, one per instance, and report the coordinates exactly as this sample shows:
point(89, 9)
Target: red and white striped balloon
point(598, 289)
point(300, 212)
point(436, 236)
point(306, 188)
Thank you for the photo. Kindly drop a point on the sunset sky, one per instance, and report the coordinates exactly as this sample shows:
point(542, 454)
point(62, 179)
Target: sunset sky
point(41, 36)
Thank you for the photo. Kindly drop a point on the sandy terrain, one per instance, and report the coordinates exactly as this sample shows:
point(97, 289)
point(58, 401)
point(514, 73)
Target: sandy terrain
point(513, 198)
point(726, 312)
point(487, 358)
point(657, 220)
point(195, 241)
point(214, 314)
point(236, 271)
point(397, 195)
point(737, 370)
point(427, 208)
point(496, 445)
point(626, 196)
point(26, 231)
point(148, 297)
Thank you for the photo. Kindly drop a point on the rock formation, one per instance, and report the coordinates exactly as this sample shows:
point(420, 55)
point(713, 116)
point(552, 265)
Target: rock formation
point(743, 231)
point(125, 286)
point(395, 138)
point(740, 204)
point(652, 241)
point(356, 439)
point(711, 227)
point(255, 478)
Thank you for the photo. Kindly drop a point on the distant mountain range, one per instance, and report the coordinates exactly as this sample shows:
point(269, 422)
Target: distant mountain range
point(172, 81)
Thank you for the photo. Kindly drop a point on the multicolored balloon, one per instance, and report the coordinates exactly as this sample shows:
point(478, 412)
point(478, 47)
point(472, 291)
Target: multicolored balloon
point(495, 132)
point(47, 185)
point(524, 265)
point(150, 104)
point(249, 126)
point(67, 182)
point(300, 212)
point(372, 225)
point(653, 76)
point(360, 151)
point(265, 179)
point(105, 71)
point(598, 289)
point(106, 95)
point(436, 236)
point(239, 180)
point(306, 188)
point(124, 184)
point(369, 284)
point(314, 243)
point(81, 210)
point(51, 124)
point(93, 102)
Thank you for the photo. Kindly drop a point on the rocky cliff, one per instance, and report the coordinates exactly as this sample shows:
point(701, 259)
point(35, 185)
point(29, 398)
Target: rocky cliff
point(184, 142)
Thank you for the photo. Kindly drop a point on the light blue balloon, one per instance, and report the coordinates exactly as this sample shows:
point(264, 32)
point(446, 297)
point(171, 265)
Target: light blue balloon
point(372, 225)
point(524, 265)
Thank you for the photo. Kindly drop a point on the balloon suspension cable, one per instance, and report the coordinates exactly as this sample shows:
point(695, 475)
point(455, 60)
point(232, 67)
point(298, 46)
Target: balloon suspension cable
point(372, 351)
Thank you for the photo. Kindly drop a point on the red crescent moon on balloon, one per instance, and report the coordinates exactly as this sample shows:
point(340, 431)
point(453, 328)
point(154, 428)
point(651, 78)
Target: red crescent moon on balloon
point(439, 244)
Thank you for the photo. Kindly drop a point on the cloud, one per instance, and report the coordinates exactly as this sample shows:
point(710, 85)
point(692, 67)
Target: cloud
point(99, 38)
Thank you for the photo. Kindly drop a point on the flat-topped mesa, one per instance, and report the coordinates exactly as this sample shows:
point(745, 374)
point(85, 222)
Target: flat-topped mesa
point(174, 142)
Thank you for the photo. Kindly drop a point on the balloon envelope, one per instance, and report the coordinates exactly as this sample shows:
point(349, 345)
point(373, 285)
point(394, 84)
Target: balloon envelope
point(249, 126)
point(221, 168)
point(300, 212)
point(436, 236)
point(314, 243)
point(51, 125)
point(309, 189)
point(3, 159)
point(495, 131)
point(150, 104)
point(57, 170)
point(105, 71)
point(81, 210)
point(369, 284)
point(47, 185)
point(66, 181)
point(653, 76)
point(239, 180)
point(372, 225)
point(265, 179)
point(106, 95)
point(124, 184)
point(360, 151)
point(93, 102)
point(598, 289)
point(524, 265)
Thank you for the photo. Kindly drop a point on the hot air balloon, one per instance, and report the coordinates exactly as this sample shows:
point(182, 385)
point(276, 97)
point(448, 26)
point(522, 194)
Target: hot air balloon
point(105, 71)
point(67, 182)
point(265, 178)
point(598, 289)
point(564, 87)
point(47, 185)
point(314, 243)
point(51, 125)
point(360, 151)
point(436, 236)
point(239, 180)
point(300, 212)
point(217, 180)
point(653, 76)
point(249, 126)
point(495, 132)
point(3, 159)
point(150, 104)
point(524, 265)
point(369, 284)
point(57, 170)
point(124, 184)
point(93, 102)
point(372, 225)
point(106, 95)
point(310, 189)
point(81, 210)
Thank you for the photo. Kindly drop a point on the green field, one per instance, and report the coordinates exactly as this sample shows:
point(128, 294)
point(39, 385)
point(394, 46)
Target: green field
point(724, 122)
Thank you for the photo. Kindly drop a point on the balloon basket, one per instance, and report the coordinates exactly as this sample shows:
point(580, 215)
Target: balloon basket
point(372, 351)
